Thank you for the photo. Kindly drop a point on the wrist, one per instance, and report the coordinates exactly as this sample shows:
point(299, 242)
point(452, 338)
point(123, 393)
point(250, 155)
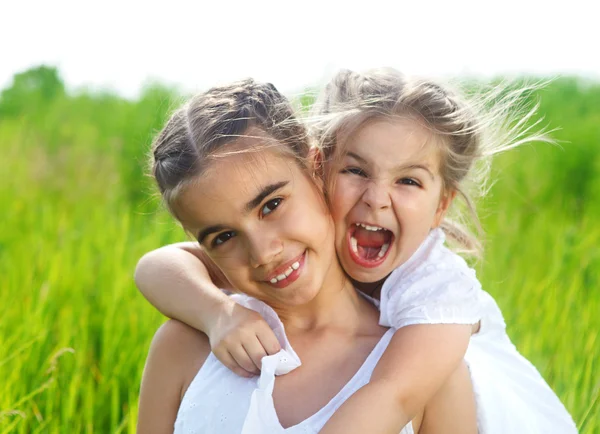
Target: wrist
point(217, 310)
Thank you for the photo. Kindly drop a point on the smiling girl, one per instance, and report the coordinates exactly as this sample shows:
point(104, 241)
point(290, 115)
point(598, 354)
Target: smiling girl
point(395, 153)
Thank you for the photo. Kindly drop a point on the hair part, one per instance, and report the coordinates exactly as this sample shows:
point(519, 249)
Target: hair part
point(469, 130)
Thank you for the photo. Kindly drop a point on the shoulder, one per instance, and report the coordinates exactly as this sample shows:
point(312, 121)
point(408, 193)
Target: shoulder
point(176, 354)
point(180, 350)
point(445, 274)
point(175, 335)
point(439, 288)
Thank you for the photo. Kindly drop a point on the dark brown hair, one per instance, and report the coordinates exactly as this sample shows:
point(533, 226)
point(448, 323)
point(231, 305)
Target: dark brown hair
point(205, 125)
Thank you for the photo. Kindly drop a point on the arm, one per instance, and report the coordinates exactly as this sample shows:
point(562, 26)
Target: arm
point(178, 281)
point(452, 410)
point(177, 352)
point(183, 283)
point(417, 362)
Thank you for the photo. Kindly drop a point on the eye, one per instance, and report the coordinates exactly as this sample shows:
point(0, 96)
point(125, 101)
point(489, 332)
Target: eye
point(222, 238)
point(354, 171)
point(408, 181)
point(271, 206)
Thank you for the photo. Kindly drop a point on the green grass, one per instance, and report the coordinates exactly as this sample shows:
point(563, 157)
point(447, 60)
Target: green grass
point(77, 213)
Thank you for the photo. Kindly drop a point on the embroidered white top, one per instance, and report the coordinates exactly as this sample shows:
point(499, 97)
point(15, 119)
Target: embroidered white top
point(219, 401)
point(436, 286)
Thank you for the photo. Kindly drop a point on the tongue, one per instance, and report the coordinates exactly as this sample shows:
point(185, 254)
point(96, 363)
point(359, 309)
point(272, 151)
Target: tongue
point(369, 253)
point(366, 239)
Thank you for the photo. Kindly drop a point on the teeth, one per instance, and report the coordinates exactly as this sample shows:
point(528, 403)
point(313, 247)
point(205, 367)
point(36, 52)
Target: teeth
point(383, 250)
point(369, 228)
point(354, 245)
point(286, 273)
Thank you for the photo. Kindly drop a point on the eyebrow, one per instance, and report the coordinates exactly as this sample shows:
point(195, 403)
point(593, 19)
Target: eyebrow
point(264, 192)
point(357, 157)
point(207, 231)
point(410, 166)
point(420, 166)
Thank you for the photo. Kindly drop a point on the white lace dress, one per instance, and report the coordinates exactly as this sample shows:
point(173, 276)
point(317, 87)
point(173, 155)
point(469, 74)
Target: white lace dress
point(220, 402)
point(436, 286)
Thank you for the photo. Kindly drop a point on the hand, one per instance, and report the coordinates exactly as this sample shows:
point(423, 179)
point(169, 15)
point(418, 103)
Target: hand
point(240, 338)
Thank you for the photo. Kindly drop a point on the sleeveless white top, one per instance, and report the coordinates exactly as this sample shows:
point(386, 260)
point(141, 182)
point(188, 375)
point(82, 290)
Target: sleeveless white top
point(219, 401)
point(436, 286)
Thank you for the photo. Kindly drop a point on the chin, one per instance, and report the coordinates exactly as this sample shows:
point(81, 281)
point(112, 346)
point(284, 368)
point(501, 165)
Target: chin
point(301, 294)
point(365, 275)
point(304, 299)
point(369, 276)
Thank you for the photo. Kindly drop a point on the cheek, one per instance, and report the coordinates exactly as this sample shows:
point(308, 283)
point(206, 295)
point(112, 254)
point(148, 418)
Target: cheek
point(308, 220)
point(345, 195)
point(414, 208)
point(408, 203)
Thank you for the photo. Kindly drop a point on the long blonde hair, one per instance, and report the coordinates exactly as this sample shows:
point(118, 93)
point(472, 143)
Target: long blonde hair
point(472, 129)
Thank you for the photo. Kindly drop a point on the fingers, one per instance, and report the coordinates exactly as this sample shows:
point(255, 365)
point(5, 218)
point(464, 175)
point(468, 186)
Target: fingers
point(268, 340)
point(243, 360)
point(242, 346)
point(230, 362)
point(255, 351)
point(260, 344)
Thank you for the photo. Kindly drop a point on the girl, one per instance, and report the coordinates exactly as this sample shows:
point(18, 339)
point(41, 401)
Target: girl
point(395, 153)
point(231, 165)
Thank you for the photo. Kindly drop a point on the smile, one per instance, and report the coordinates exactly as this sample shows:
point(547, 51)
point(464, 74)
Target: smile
point(288, 272)
point(369, 244)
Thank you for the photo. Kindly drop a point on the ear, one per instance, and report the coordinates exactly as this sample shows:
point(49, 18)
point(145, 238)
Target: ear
point(317, 170)
point(315, 161)
point(316, 167)
point(445, 202)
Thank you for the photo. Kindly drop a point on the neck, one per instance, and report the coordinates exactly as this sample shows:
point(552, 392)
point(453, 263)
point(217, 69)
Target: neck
point(336, 306)
point(372, 289)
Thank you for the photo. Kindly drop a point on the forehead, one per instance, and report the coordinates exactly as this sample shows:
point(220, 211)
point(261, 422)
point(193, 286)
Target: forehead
point(221, 192)
point(393, 141)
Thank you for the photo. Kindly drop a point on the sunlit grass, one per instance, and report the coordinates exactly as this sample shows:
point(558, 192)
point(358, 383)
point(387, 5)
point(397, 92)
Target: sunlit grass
point(77, 214)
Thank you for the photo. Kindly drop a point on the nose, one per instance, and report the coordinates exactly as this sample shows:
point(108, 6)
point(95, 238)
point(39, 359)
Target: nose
point(376, 196)
point(263, 246)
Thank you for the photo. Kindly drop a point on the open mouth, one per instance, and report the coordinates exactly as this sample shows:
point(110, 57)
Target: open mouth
point(369, 245)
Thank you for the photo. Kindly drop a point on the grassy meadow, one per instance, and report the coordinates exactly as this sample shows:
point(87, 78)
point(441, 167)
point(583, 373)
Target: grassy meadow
point(78, 211)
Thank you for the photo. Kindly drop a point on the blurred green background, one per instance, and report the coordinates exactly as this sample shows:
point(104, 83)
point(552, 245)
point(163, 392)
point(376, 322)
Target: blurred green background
point(78, 211)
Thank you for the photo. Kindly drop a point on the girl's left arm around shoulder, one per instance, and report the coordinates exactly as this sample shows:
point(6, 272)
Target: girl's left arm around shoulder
point(417, 362)
point(176, 354)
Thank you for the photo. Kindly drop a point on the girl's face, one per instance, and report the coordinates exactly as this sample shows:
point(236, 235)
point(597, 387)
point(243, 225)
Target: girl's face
point(265, 224)
point(387, 196)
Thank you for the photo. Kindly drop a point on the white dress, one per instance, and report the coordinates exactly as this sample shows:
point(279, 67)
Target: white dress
point(220, 402)
point(436, 286)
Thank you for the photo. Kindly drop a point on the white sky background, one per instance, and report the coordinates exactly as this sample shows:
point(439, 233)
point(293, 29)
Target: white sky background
point(121, 45)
